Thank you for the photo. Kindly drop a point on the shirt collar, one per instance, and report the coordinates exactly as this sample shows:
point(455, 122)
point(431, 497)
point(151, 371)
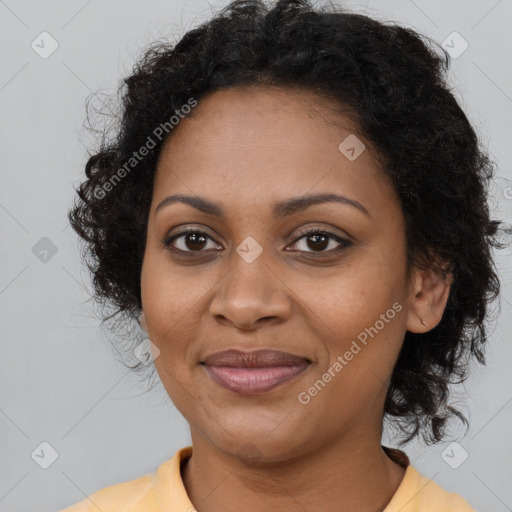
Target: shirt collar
point(172, 495)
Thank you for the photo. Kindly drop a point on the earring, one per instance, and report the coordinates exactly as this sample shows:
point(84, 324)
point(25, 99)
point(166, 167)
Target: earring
point(423, 322)
point(142, 321)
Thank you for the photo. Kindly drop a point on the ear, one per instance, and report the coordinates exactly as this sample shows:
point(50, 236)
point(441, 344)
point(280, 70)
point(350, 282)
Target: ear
point(142, 321)
point(428, 295)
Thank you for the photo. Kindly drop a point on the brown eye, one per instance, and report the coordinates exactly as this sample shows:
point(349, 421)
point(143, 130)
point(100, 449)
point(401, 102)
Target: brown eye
point(191, 240)
point(318, 241)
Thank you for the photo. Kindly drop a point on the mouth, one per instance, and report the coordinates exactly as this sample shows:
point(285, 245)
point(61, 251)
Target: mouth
point(256, 372)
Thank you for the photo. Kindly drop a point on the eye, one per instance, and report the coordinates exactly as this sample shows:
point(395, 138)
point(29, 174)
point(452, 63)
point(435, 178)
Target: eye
point(194, 240)
point(319, 240)
point(190, 240)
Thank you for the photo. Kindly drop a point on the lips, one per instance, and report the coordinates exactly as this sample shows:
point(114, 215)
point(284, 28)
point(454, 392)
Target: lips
point(255, 372)
point(254, 359)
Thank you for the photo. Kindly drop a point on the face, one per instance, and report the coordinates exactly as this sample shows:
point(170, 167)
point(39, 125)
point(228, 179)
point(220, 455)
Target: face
point(250, 277)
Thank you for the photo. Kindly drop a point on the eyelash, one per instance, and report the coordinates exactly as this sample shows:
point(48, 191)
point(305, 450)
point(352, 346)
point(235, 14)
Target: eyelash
point(344, 243)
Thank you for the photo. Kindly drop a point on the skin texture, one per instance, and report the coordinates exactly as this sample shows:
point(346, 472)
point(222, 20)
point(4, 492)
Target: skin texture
point(245, 149)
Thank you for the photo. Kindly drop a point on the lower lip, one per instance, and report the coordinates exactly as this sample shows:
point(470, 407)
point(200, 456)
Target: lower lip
point(252, 381)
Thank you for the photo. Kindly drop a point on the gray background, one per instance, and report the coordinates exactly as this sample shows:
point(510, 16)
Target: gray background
point(60, 382)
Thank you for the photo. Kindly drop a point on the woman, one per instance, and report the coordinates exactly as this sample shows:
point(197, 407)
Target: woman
point(294, 206)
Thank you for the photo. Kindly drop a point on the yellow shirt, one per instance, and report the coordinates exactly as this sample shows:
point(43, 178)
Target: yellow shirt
point(163, 491)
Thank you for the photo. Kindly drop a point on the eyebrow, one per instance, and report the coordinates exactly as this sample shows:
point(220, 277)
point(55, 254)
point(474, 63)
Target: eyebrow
point(280, 210)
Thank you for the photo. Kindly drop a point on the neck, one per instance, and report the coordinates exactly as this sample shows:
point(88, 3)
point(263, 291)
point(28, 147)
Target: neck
point(341, 476)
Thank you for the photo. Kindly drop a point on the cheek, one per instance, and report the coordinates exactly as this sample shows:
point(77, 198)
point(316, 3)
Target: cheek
point(362, 346)
point(165, 306)
point(173, 299)
point(169, 293)
point(351, 297)
point(358, 314)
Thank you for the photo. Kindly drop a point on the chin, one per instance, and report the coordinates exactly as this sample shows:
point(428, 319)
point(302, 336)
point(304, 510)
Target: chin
point(258, 443)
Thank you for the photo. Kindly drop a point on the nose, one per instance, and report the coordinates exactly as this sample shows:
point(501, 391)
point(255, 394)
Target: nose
point(250, 294)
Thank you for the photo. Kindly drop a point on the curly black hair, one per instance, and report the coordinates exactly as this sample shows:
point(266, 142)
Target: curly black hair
point(392, 81)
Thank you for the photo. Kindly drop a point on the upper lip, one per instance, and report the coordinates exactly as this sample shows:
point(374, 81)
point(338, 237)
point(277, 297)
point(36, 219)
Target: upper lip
point(253, 359)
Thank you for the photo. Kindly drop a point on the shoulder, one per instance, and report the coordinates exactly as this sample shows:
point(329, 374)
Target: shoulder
point(417, 493)
point(434, 496)
point(153, 492)
point(130, 496)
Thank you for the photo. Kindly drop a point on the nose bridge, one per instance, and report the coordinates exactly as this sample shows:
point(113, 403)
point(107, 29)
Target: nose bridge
point(250, 290)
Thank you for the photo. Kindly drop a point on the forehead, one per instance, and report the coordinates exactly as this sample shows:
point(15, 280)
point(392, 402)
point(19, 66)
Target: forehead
point(267, 143)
